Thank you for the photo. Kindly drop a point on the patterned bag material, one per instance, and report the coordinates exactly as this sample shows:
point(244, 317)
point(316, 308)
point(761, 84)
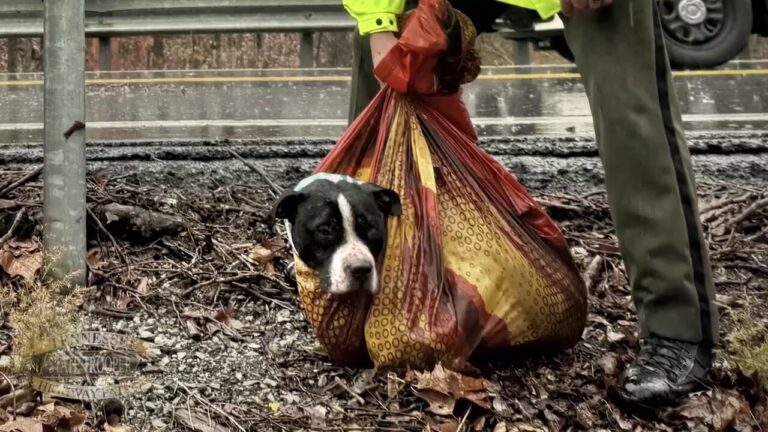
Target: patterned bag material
point(473, 266)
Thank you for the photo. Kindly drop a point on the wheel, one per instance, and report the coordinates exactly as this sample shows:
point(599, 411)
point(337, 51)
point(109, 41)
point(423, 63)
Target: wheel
point(705, 33)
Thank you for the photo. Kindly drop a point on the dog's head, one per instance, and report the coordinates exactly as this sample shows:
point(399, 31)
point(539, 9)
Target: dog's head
point(338, 227)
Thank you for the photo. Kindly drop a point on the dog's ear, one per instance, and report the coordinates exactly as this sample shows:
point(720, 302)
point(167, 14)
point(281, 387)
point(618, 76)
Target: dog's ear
point(286, 206)
point(387, 200)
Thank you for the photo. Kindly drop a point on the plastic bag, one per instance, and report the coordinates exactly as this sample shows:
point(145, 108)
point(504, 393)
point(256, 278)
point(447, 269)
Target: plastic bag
point(473, 265)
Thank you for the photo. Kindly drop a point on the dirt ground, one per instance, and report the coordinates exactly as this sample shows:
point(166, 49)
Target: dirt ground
point(206, 286)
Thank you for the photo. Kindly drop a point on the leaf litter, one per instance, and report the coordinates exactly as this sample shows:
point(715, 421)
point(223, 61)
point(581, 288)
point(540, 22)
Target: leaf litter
point(236, 353)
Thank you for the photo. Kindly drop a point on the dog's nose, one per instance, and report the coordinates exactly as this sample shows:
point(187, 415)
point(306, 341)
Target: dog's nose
point(361, 271)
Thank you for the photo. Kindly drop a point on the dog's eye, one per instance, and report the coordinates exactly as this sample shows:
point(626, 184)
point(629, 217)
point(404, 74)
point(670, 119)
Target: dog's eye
point(324, 231)
point(362, 223)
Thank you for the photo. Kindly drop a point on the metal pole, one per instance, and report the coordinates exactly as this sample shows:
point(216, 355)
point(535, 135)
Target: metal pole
point(64, 151)
point(105, 62)
point(306, 53)
point(522, 53)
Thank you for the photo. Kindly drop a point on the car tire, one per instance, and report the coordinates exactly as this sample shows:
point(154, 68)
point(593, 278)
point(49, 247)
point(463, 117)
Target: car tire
point(727, 44)
point(731, 39)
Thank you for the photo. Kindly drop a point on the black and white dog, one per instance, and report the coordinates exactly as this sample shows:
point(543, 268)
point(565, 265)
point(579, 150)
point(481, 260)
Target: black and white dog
point(338, 227)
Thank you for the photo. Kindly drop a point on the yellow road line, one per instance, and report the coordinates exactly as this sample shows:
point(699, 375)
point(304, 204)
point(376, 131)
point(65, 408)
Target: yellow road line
point(337, 78)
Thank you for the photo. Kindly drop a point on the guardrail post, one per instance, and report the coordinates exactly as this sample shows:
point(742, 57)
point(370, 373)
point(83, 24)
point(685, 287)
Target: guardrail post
point(64, 211)
point(105, 61)
point(306, 52)
point(522, 53)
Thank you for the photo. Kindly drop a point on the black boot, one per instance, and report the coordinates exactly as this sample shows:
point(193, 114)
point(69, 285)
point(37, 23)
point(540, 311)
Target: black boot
point(664, 372)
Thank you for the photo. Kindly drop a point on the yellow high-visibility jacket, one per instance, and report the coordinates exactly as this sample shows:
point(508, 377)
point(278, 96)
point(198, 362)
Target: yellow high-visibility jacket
point(545, 8)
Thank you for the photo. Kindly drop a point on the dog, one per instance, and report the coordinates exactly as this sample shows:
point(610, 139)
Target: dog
point(337, 226)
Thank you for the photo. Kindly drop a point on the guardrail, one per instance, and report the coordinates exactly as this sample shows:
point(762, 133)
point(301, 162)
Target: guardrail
point(64, 25)
point(108, 18)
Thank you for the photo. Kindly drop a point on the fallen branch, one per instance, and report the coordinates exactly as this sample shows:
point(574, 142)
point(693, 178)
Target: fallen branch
point(136, 221)
point(18, 396)
point(14, 225)
point(22, 181)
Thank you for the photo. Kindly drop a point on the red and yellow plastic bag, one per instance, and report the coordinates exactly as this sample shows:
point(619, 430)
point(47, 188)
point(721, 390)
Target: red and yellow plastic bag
point(473, 266)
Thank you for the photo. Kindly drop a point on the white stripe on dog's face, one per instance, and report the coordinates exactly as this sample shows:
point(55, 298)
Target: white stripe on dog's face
point(350, 254)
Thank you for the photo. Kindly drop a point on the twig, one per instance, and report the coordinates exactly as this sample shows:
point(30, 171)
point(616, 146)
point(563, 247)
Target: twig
point(13, 390)
point(113, 314)
point(464, 420)
point(27, 178)
point(212, 406)
point(552, 204)
point(744, 266)
point(705, 209)
point(593, 270)
point(737, 251)
point(255, 293)
point(757, 205)
point(756, 236)
point(274, 188)
point(591, 194)
point(14, 225)
point(111, 238)
point(239, 277)
point(341, 384)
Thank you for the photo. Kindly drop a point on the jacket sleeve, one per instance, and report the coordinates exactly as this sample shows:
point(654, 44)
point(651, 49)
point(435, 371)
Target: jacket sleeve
point(545, 8)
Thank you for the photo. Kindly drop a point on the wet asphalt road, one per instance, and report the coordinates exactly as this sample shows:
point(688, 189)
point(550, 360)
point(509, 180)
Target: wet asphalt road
point(174, 126)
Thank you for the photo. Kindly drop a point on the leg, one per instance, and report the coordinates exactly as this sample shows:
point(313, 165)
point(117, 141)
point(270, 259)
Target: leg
point(364, 86)
point(620, 53)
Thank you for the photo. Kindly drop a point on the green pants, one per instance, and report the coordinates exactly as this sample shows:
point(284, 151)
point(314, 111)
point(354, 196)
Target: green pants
point(621, 56)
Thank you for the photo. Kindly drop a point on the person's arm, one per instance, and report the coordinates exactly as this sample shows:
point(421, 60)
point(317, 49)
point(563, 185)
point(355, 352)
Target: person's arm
point(381, 43)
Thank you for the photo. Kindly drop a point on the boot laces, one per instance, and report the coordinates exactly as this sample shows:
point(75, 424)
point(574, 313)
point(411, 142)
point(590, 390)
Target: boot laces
point(666, 356)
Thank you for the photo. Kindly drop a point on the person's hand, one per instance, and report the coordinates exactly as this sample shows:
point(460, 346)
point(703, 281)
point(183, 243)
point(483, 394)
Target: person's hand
point(569, 7)
point(375, 16)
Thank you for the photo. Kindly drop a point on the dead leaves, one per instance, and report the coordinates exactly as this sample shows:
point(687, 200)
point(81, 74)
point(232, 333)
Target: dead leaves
point(25, 424)
point(264, 253)
point(50, 417)
point(211, 323)
point(442, 389)
point(21, 258)
point(715, 410)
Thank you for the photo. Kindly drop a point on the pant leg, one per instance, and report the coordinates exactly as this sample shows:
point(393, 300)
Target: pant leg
point(364, 86)
point(621, 56)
